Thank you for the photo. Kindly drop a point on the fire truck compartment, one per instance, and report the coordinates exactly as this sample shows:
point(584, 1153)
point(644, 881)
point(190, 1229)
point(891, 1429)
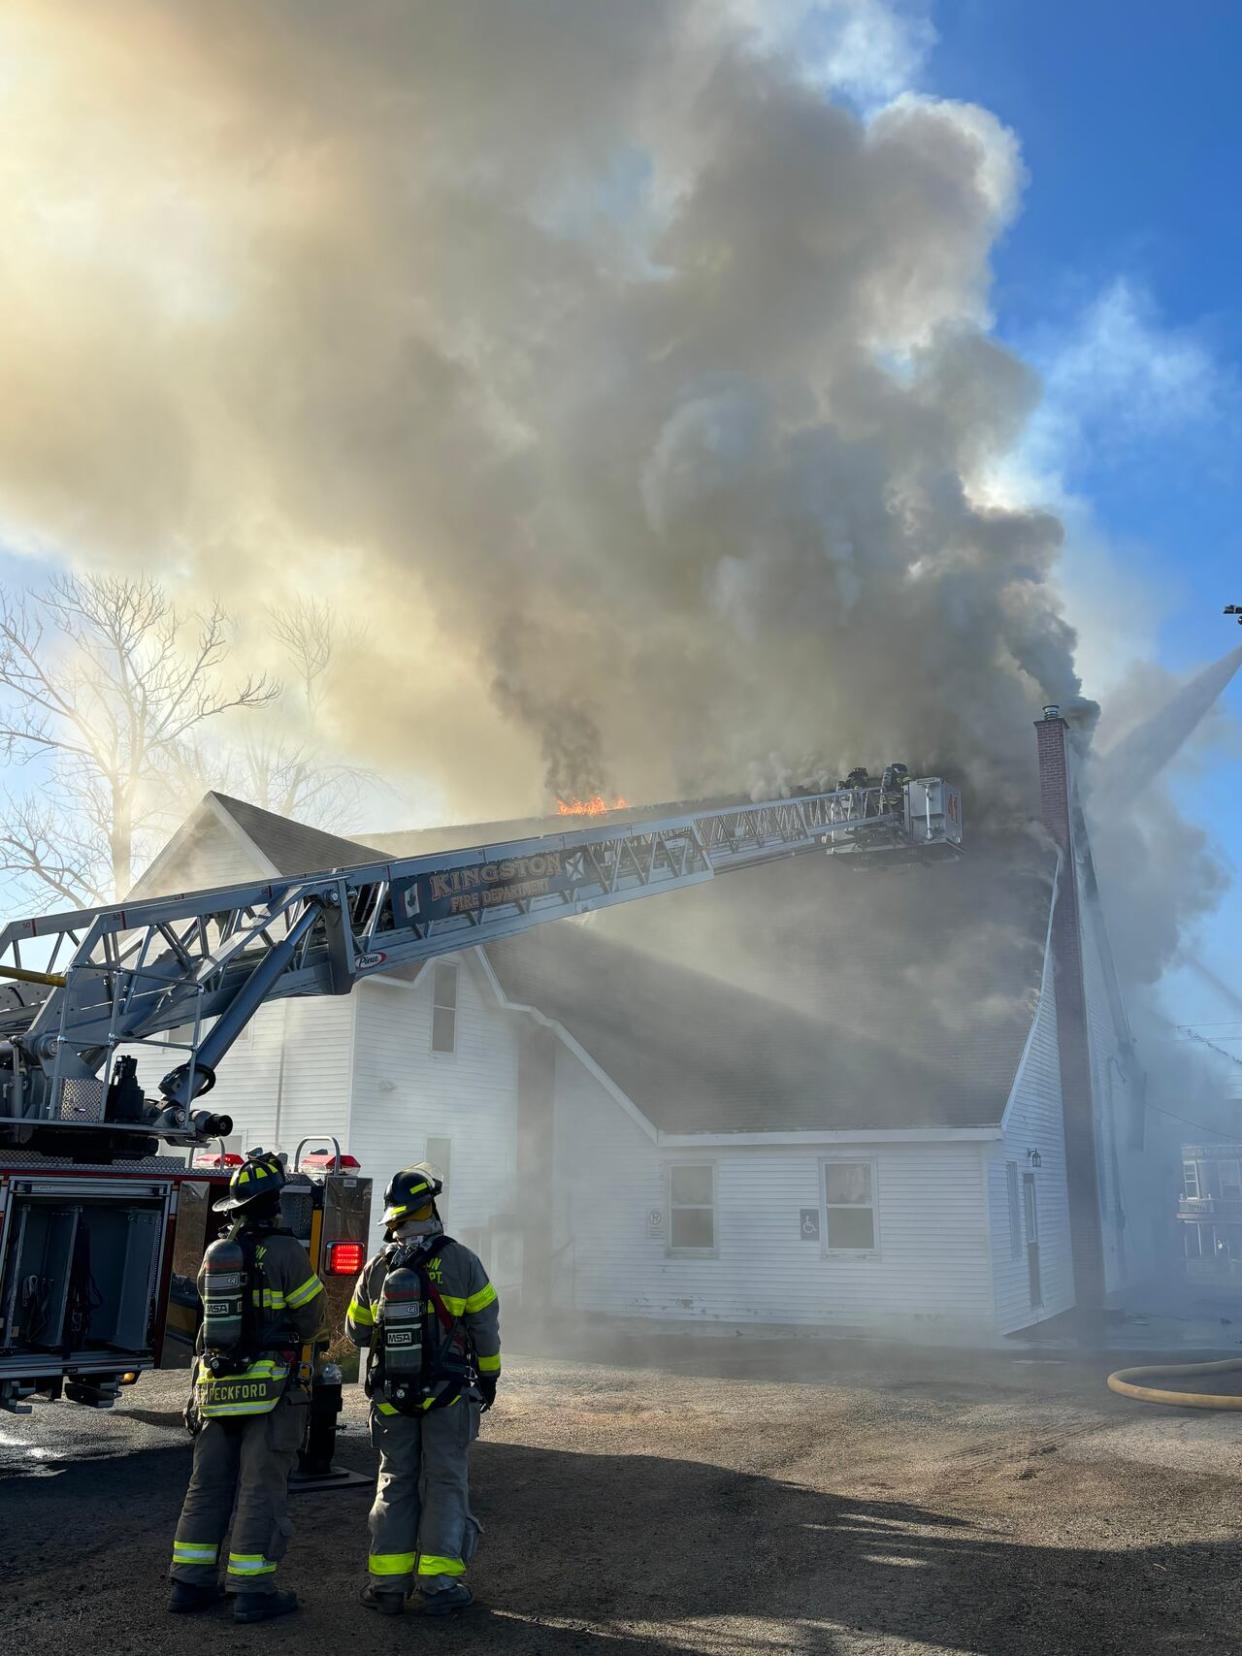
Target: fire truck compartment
point(79, 1270)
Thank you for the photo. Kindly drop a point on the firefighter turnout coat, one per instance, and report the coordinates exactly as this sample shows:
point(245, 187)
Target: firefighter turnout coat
point(422, 1530)
point(253, 1427)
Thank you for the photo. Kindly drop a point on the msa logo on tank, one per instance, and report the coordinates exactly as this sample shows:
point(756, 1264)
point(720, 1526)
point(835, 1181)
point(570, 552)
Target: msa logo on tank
point(224, 1269)
point(401, 1317)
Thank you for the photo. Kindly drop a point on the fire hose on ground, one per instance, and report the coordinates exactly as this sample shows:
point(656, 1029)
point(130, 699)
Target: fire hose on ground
point(1124, 1381)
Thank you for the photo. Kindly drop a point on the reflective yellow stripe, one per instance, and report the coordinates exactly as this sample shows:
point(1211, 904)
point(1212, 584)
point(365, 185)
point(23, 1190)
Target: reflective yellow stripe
point(195, 1552)
point(272, 1299)
point(479, 1302)
point(219, 1411)
point(489, 1365)
point(432, 1565)
point(361, 1314)
point(453, 1304)
point(249, 1564)
point(267, 1368)
point(391, 1564)
point(305, 1294)
point(387, 1408)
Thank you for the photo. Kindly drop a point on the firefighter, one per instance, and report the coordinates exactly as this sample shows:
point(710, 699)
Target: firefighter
point(248, 1406)
point(430, 1319)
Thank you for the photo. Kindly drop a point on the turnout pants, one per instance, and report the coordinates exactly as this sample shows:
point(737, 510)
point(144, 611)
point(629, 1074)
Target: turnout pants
point(247, 1460)
point(421, 1524)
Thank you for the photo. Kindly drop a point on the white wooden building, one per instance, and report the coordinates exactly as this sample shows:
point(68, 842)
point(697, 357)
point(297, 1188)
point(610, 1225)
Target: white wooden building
point(799, 1096)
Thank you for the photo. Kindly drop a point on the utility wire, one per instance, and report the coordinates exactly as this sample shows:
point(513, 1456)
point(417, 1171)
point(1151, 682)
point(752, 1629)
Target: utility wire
point(1199, 1126)
point(1203, 1041)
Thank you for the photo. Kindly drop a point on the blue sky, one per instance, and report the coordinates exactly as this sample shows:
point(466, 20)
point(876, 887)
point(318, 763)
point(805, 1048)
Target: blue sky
point(1131, 128)
point(1119, 280)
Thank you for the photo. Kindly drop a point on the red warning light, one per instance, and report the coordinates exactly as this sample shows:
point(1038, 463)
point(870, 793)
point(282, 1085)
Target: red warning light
point(325, 1161)
point(209, 1158)
point(346, 1258)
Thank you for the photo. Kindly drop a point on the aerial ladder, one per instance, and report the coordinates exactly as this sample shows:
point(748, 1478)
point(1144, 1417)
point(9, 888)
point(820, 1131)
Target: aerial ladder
point(88, 991)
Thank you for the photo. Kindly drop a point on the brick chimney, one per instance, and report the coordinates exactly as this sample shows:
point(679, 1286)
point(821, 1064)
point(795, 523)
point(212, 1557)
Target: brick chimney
point(1082, 1176)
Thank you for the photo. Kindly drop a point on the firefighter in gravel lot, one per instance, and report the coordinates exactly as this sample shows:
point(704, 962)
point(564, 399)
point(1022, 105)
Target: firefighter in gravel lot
point(430, 1320)
point(248, 1406)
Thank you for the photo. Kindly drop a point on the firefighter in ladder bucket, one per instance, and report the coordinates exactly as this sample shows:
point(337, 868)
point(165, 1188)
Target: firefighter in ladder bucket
point(430, 1320)
point(248, 1406)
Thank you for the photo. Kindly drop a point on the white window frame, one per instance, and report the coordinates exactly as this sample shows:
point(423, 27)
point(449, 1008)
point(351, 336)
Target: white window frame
point(437, 967)
point(692, 1253)
point(1191, 1167)
point(862, 1255)
point(1014, 1196)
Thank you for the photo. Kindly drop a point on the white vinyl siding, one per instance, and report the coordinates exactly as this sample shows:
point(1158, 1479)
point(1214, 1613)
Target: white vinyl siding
point(287, 1080)
point(214, 855)
point(1033, 1126)
point(932, 1278)
point(405, 1097)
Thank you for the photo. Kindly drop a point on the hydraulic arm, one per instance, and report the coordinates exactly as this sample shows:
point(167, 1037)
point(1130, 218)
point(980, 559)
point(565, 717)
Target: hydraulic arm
point(186, 973)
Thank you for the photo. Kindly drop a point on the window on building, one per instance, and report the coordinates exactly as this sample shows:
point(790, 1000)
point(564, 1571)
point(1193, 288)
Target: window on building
point(692, 1207)
point(444, 1008)
point(849, 1200)
point(1190, 1178)
point(440, 1154)
point(1015, 1210)
point(1230, 1182)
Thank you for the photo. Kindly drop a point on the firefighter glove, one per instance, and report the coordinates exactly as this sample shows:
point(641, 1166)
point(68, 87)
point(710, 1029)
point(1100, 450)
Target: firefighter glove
point(487, 1389)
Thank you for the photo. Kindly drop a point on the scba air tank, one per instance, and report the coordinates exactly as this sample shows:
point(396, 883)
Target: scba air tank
point(224, 1295)
point(401, 1316)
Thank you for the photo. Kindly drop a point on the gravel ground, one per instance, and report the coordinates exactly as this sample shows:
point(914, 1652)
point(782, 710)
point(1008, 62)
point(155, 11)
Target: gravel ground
point(902, 1503)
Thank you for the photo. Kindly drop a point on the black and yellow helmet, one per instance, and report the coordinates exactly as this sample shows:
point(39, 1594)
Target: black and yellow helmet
point(409, 1190)
point(259, 1178)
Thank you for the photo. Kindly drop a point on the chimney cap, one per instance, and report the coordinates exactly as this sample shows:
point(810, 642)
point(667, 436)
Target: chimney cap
point(1052, 711)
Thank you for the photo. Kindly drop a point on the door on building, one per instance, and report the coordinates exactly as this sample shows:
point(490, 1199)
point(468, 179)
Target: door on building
point(1031, 1222)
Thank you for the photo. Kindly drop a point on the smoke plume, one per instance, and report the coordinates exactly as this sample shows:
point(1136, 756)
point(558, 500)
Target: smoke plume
point(635, 394)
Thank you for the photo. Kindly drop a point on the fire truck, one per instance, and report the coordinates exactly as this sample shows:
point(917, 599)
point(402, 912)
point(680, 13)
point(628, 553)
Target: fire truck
point(105, 1192)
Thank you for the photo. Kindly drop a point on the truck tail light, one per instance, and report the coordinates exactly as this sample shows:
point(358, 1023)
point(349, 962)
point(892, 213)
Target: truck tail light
point(346, 1258)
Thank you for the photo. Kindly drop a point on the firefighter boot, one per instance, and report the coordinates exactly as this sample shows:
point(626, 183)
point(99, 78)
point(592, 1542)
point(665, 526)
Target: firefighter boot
point(388, 1604)
point(253, 1607)
point(185, 1597)
point(447, 1600)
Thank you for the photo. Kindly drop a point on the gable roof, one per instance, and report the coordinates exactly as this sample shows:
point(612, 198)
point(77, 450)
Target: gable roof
point(294, 847)
point(806, 995)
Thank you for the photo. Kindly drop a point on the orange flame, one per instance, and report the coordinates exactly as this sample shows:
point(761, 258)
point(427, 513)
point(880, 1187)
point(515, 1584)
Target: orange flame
point(595, 806)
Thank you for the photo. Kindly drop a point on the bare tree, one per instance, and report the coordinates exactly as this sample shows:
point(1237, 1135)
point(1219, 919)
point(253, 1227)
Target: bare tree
point(104, 685)
point(279, 761)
